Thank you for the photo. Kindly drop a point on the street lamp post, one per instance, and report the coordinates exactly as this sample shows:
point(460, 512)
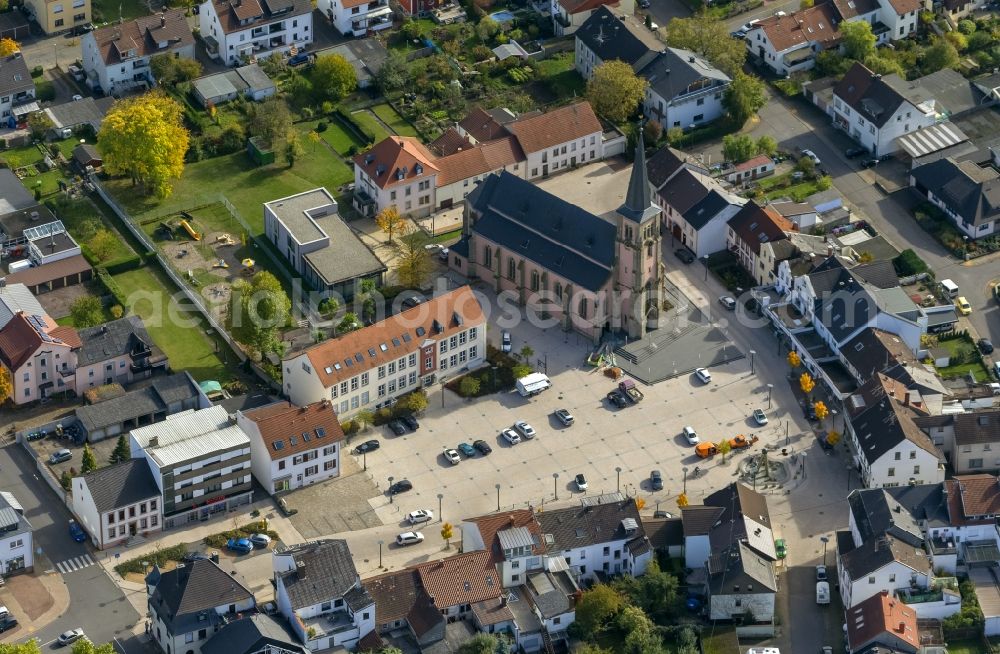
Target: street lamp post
point(364, 457)
point(685, 470)
point(825, 540)
point(440, 497)
point(752, 354)
point(769, 388)
point(380, 544)
point(618, 478)
point(498, 497)
point(390, 489)
point(555, 484)
point(704, 260)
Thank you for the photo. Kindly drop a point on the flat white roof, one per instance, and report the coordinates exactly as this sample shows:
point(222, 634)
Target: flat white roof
point(190, 436)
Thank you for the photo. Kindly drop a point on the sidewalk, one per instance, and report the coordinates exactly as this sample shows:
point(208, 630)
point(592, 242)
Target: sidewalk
point(36, 599)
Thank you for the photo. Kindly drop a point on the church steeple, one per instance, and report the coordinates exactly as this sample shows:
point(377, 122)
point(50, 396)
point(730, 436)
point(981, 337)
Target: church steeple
point(638, 206)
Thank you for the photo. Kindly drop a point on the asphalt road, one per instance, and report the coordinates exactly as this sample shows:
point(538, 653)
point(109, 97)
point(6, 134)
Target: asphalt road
point(96, 603)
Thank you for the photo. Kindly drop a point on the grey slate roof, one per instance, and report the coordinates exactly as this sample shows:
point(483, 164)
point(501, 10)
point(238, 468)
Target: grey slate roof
point(581, 526)
point(879, 552)
point(15, 298)
point(879, 274)
point(881, 423)
point(78, 112)
point(13, 195)
point(869, 94)
point(366, 56)
point(925, 502)
point(11, 515)
point(552, 592)
point(698, 520)
point(638, 206)
point(663, 164)
point(705, 209)
point(675, 70)
point(947, 87)
point(609, 38)
point(877, 513)
point(325, 571)
point(200, 586)
point(975, 197)
point(664, 532)
point(122, 337)
point(252, 634)
point(543, 228)
point(14, 75)
point(683, 191)
point(121, 485)
point(738, 569)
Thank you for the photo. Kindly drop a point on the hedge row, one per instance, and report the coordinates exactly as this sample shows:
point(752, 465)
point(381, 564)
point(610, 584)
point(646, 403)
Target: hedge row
point(112, 286)
point(157, 557)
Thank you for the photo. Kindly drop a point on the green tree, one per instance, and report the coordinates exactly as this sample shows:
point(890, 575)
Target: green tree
point(806, 166)
point(103, 244)
point(169, 70)
point(364, 417)
point(390, 221)
point(349, 323)
point(595, 609)
point(709, 37)
point(89, 461)
point(958, 40)
point(744, 97)
point(480, 643)
point(767, 145)
point(293, 148)
point(121, 453)
point(414, 265)
point(655, 592)
point(469, 386)
point(857, 39)
point(724, 448)
point(86, 311)
point(590, 648)
point(966, 26)
point(334, 77)
point(615, 91)
point(521, 370)
point(393, 73)
point(940, 55)
point(270, 120)
point(487, 29)
point(527, 352)
point(737, 148)
point(369, 304)
point(30, 647)
point(414, 402)
point(652, 131)
point(258, 310)
point(84, 646)
point(830, 63)
point(39, 124)
point(66, 481)
point(143, 137)
point(884, 65)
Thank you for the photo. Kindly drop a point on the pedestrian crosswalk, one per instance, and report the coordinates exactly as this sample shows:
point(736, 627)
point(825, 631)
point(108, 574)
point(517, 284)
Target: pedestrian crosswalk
point(74, 564)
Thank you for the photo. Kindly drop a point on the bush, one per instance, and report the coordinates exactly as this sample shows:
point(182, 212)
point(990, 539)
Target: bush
point(157, 557)
point(321, 127)
point(382, 416)
point(131, 263)
point(909, 263)
point(37, 71)
point(218, 541)
point(350, 427)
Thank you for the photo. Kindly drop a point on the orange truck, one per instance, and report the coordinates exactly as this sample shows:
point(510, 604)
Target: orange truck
point(741, 441)
point(707, 450)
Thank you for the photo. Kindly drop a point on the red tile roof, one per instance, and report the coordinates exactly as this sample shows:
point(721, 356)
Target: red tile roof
point(231, 12)
point(878, 615)
point(450, 142)
point(284, 422)
point(490, 525)
point(144, 36)
point(395, 160)
point(813, 25)
point(905, 6)
point(755, 225)
point(756, 162)
point(973, 495)
point(555, 127)
point(19, 340)
point(478, 160)
point(329, 359)
point(462, 579)
point(578, 6)
point(67, 335)
point(480, 125)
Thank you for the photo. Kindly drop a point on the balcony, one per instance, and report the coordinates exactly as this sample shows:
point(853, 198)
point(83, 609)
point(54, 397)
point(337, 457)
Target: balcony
point(941, 546)
point(337, 624)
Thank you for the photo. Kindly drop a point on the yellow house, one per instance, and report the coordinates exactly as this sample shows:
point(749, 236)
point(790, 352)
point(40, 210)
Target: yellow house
point(55, 16)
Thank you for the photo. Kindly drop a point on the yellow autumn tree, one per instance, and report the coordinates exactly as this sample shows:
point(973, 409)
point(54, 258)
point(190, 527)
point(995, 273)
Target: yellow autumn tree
point(793, 359)
point(640, 504)
point(833, 437)
point(390, 221)
point(682, 500)
point(806, 383)
point(821, 411)
point(6, 386)
point(447, 533)
point(144, 138)
point(8, 47)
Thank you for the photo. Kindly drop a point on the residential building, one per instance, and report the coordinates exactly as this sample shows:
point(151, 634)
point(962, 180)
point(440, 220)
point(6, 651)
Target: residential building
point(969, 440)
point(189, 604)
point(116, 352)
point(741, 582)
point(17, 90)
point(956, 10)
point(116, 57)
point(236, 31)
point(749, 229)
point(402, 603)
point(292, 447)
point(563, 261)
point(37, 353)
point(257, 633)
point(117, 503)
point(891, 20)
point(404, 173)
point(884, 621)
point(371, 367)
point(754, 168)
point(76, 114)
point(366, 56)
point(569, 15)
point(970, 535)
point(319, 245)
point(200, 461)
point(883, 564)
point(684, 90)
point(50, 243)
point(969, 194)
point(18, 209)
point(17, 550)
point(55, 16)
point(318, 590)
point(15, 299)
point(357, 17)
point(789, 43)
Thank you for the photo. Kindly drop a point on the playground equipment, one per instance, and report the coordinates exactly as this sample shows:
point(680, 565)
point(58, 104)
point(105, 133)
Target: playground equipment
point(221, 263)
point(248, 266)
point(225, 239)
point(186, 226)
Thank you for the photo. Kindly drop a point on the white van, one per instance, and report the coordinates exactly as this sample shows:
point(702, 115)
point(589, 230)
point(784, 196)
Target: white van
point(822, 592)
point(532, 384)
point(949, 287)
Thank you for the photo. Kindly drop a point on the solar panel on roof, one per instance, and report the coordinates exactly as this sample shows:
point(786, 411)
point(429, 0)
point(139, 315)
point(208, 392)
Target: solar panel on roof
point(9, 520)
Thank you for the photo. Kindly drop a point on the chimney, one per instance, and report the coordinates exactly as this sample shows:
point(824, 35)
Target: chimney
point(163, 20)
point(503, 600)
point(902, 627)
point(300, 569)
point(885, 593)
point(154, 441)
point(906, 399)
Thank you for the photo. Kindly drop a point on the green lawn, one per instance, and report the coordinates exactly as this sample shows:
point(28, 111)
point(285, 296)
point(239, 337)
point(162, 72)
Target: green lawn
point(187, 345)
point(720, 640)
point(394, 120)
point(963, 369)
point(339, 137)
point(106, 11)
point(366, 121)
point(77, 216)
point(773, 188)
point(560, 74)
point(245, 185)
point(23, 156)
point(972, 646)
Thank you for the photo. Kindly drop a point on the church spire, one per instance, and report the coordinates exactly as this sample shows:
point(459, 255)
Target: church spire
point(638, 204)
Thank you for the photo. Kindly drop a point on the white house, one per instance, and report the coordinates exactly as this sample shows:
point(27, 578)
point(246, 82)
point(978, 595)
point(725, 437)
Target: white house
point(371, 367)
point(200, 461)
point(741, 582)
point(748, 231)
point(116, 503)
point(116, 57)
point(357, 17)
point(17, 550)
point(969, 194)
point(188, 604)
point(17, 90)
point(569, 15)
point(607, 36)
point(292, 447)
point(790, 43)
point(684, 89)
point(883, 563)
point(318, 590)
point(239, 30)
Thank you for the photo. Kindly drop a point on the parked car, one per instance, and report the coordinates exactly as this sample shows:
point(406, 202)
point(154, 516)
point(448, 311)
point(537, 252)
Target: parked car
point(483, 447)
point(685, 255)
point(409, 538)
point(656, 480)
point(746, 27)
point(511, 436)
point(397, 427)
point(452, 457)
point(505, 342)
point(704, 375)
point(616, 398)
point(60, 456)
point(260, 540)
point(690, 435)
point(581, 482)
point(7, 623)
point(809, 153)
point(963, 305)
point(564, 416)
point(412, 300)
point(410, 421)
point(810, 412)
point(852, 153)
point(780, 549)
point(71, 636)
point(76, 532)
point(822, 592)
point(760, 417)
point(728, 302)
point(239, 545)
point(467, 450)
point(644, 4)
point(869, 163)
point(367, 446)
point(985, 346)
point(401, 486)
point(662, 514)
point(299, 59)
point(420, 515)
point(36, 435)
point(821, 573)
point(526, 430)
